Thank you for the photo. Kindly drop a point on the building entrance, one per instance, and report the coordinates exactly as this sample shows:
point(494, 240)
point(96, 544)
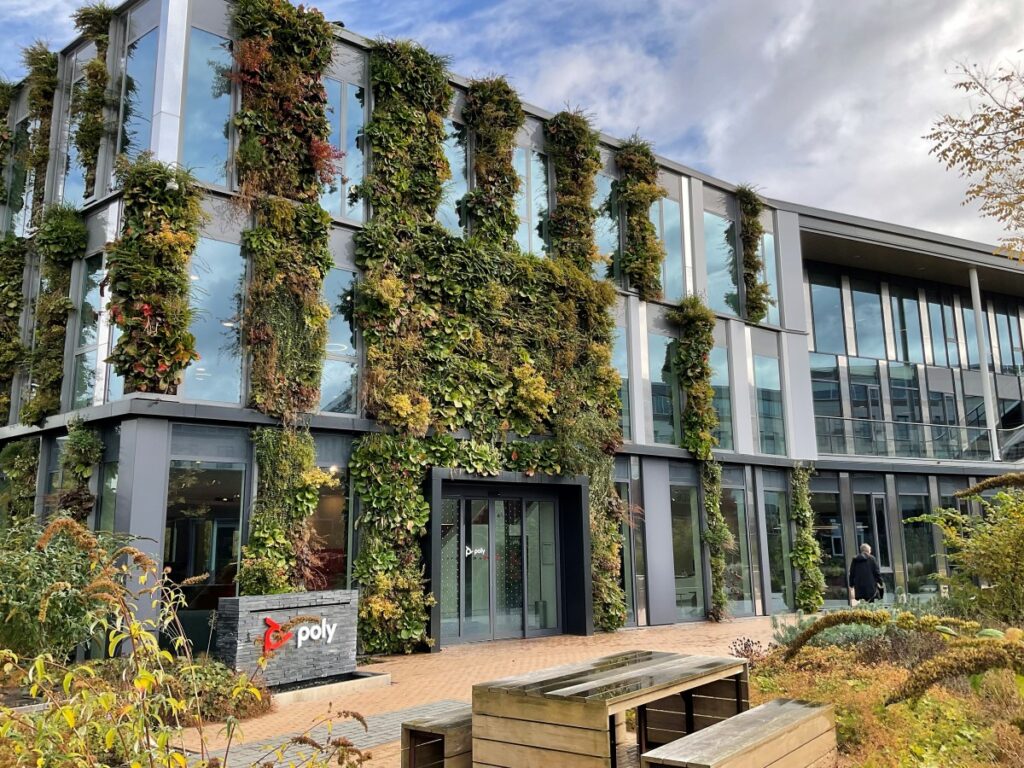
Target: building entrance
point(499, 568)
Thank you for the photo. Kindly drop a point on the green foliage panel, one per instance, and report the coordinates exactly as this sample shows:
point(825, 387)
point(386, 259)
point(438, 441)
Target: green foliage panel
point(19, 464)
point(91, 99)
point(757, 293)
point(806, 556)
point(41, 82)
point(637, 190)
point(13, 251)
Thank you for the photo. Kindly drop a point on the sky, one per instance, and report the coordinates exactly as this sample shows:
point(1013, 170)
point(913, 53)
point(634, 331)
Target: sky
point(819, 102)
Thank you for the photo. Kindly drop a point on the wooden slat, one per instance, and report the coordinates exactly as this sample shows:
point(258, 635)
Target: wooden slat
point(582, 741)
point(810, 753)
point(612, 661)
point(579, 714)
point(517, 756)
point(705, 705)
point(677, 678)
point(633, 673)
point(465, 760)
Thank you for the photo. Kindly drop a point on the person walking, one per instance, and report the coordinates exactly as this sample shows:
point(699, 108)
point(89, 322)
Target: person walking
point(865, 576)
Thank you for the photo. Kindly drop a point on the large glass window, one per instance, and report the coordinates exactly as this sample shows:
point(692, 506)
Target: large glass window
point(866, 408)
point(138, 84)
point(828, 530)
point(779, 536)
point(686, 552)
point(971, 339)
point(338, 387)
point(828, 403)
point(346, 111)
point(75, 187)
point(1011, 356)
point(207, 119)
point(449, 212)
point(867, 319)
point(770, 418)
point(668, 221)
point(606, 226)
point(737, 561)
point(942, 411)
point(942, 328)
point(86, 348)
point(906, 323)
point(905, 391)
point(720, 258)
point(218, 273)
point(722, 398)
point(620, 359)
point(665, 405)
point(331, 519)
point(827, 314)
point(920, 545)
point(532, 199)
point(19, 183)
point(770, 275)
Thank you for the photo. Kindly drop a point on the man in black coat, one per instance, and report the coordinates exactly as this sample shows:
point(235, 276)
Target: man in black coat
point(865, 575)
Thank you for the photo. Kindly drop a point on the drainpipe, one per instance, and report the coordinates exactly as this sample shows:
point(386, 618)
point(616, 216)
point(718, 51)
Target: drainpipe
point(984, 351)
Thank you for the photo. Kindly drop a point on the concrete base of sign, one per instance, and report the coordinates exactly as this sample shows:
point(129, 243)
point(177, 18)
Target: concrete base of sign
point(359, 682)
point(306, 636)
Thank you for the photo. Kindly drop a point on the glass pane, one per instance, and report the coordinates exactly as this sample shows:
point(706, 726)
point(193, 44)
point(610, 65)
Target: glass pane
point(907, 412)
point(737, 568)
point(917, 537)
point(672, 237)
point(952, 351)
point(664, 404)
point(355, 117)
point(330, 200)
point(720, 256)
point(828, 403)
point(337, 292)
point(338, 387)
point(628, 570)
point(508, 568)
point(139, 88)
point(906, 321)
point(722, 400)
point(217, 272)
point(451, 562)
point(477, 589)
point(827, 312)
point(330, 521)
point(869, 527)
point(770, 419)
point(971, 339)
point(204, 516)
point(776, 509)
point(686, 553)
point(522, 199)
point(19, 183)
point(539, 201)
point(771, 275)
point(606, 226)
point(91, 303)
point(115, 383)
point(829, 533)
point(935, 323)
point(541, 566)
point(85, 379)
point(207, 116)
point(867, 317)
point(448, 213)
point(620, 359)
point(73, 191)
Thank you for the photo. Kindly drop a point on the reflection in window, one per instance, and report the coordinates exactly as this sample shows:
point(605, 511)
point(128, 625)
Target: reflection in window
point(906, 323)
point(737, 560)
point(532, 199)
point(776, 513)
point(828, 530)
point(971, 339)
point(620, 359)
point(770, 419)
point(449, 212)
point(867, 319)
point(330, 522)
point(920, 546)
point(346, 111)
point(720, 256)
point(338, 386)
point(139, 82)
point(1011, 355)
point(664, 389)
point(217, 273)
point(828, 403)
point(905, 392)
point(202, 536)
point(606, 226)
point(89, 312)
point(19, 183)
point(75, 187)
point(866, 407)
point(770, 275)
point(686, 553)
point(207, 116)
point(827, 314)
point(668, 222)
point(942, 327)
point(722, 400)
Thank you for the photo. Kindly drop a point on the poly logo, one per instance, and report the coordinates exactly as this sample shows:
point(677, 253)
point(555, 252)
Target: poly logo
point(275, 638)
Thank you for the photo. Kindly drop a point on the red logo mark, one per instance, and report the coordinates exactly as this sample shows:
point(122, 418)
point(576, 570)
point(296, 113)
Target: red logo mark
point(274, 638)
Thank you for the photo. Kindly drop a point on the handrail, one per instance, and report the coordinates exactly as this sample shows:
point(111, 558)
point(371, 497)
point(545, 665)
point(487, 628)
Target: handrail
point(847, 436)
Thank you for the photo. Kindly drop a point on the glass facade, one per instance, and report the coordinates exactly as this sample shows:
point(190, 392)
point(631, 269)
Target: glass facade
point(722, 399)
point(779, 536)
point(138, 84)
point(606, 226)
point(826, 391)
point(456, 152)
point(666, 215)
point(346, 112)
point(738, 561)
point(829, 533)
point(90, 307)
point(867, 319)
point(942, 327)
point(919, 543)
point(906, 323)
point(905, 393)
point(770, 417)
point(206, 123)
point(532, 199)
point(686, 553)
point(74, 185)
point(339, 385)
point(1008, 338)
point(665, 401)
point(620, 359)
point(770, 259)
point(827, 314)
point(720, 259)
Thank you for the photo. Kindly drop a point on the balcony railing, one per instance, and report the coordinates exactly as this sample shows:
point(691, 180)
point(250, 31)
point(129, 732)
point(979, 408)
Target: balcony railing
point(843, 436)
point(1011, 443)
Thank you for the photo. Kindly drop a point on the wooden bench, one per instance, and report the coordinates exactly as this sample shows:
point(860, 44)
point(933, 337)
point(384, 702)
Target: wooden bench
point(443, 741)
point(780, 734)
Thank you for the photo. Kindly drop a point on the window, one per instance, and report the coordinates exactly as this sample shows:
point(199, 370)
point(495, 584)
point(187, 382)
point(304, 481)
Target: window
point(217, 273)
point(450, 212)
point(828, 530)
point(620, 359)
point(722, 398)
point(905, 391)
point(19, 183)
point(338, 386)
point(75, 188)
point(779, 538)
point(664, 389)
point(866, 408)
point(738, 559)
point(919, 543)
point(770, 419)
point(828, 403)
point(686, 552)
point(906, 323)
point(867, 319)
point(90, 310)
point(942, 327)
point(346, 111)
point(668, 222)
point(720, 258)
point(532, 199)
point(330, 521)
point(606, 226)
point(1011, 356)
point(942, 411)
point(827, 314)
point(971, 338)
point(770, 275)
point(207, 115)
point(138, 85)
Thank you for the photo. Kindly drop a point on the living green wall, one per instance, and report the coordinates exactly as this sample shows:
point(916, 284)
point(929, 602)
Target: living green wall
point(13, 252)
point(91, 100)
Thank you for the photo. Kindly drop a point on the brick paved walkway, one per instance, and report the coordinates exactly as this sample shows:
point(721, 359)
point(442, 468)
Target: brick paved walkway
point(449, 676)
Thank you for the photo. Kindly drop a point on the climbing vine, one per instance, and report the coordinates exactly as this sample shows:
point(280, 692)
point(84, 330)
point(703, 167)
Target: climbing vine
point(637, 190)
point(459, 335)
point(147, 272)
point(806, 556)
point(90, 100)
point(717, 537)
point(757, 293)
point(19, 465)
point(83, 450)
point(41, 82)
point(13, 251)
point(7, 91)
point(62, 237)
point(572, 146)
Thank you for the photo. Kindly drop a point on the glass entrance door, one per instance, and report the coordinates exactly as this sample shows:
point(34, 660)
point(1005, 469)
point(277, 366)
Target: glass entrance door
point(476, 590)
point(541, 568)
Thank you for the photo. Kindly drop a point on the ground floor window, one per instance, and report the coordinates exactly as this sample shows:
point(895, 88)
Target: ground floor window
point(738, 573)
point(779, 537)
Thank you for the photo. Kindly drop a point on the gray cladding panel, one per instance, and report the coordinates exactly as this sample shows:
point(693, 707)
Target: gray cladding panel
point(660, 559)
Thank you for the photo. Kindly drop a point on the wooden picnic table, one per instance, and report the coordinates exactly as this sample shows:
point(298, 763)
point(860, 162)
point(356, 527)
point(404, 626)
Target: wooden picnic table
point(572, 716)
